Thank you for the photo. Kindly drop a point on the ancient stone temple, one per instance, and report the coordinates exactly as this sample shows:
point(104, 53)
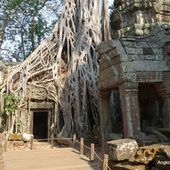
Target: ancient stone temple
point(135, 65)
point(56, 84)
point(38, 112)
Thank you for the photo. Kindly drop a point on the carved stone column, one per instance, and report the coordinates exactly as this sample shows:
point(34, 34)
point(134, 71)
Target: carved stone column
point(105, 114)
point(1, 157)
point(166, 111)
point(130, 108)
point(166, 105)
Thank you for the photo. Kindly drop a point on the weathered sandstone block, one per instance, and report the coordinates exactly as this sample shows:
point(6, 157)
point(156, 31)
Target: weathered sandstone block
point(122, 149)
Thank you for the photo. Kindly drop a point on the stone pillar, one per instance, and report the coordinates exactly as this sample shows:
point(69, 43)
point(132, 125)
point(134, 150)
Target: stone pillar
point(166, 106)
point(166, 111)
point(130, 108)
point(1, 157)
point(105, 114)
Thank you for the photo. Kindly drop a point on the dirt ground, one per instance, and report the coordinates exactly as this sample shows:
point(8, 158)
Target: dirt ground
point(47, 159)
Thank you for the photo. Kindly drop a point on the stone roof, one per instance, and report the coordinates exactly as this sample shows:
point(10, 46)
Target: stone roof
point(130, 58)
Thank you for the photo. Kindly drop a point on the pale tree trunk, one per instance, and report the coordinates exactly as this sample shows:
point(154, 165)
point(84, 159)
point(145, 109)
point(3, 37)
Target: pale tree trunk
point(1, 40)
point(106, 25)
point(2, 30)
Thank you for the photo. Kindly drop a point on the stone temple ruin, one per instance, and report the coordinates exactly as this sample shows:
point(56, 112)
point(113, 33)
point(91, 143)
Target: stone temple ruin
point(134, 80)
point(133, 75)
point(56, 84)
point(41, 110)
point(135, 67)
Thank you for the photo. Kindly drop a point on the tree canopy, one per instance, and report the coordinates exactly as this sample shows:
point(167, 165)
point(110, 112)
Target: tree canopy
point(24, 24)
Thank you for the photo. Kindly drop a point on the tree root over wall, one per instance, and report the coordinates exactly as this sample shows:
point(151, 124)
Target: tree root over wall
point(66, 67)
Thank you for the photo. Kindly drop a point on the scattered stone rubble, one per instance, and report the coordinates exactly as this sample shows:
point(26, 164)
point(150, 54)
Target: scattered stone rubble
point(126, 154)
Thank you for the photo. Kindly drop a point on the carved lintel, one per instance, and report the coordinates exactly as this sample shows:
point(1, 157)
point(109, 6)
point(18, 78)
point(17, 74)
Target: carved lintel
point(130, 86)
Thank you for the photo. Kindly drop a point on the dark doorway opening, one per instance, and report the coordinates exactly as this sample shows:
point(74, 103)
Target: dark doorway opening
point(40, 125)
point(151, 103)
point(116, 110)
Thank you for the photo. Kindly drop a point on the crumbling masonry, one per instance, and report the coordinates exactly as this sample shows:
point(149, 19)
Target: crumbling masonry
point(136, 64)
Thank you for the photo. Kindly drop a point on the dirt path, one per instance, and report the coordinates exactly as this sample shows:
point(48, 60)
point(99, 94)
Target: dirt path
point(47, 159)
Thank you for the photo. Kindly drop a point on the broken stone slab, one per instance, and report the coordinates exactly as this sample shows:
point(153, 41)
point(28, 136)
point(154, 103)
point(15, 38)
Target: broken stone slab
point(164, 148)
point(20, 137)
point(122, 149)
point(145, 154)
point(15, 137)
point(126, 166)
point(27, 137)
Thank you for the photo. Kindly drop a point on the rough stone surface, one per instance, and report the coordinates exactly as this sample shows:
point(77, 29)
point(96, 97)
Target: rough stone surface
point(122, 149)
point(145, 154)
point(139, 17)
point(15, 137)
point(128, 62)
point(165, 148)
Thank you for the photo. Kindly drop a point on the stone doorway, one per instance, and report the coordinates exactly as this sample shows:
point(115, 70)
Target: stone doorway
point(150, 105)
point(116, 111)
point(40, 124)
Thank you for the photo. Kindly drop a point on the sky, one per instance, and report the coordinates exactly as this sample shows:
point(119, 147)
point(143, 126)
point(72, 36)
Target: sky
point(110, 2)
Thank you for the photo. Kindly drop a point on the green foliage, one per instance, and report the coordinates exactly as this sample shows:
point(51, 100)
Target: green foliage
point(13, 4)
point(24, 24)
point(11, 103)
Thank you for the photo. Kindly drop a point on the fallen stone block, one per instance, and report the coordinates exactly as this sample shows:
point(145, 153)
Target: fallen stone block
point(15, 137)
point(145, 154)
point(122, 149)
point(27, 137)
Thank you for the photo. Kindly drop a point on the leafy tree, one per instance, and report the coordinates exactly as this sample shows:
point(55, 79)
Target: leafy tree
point(23, 25)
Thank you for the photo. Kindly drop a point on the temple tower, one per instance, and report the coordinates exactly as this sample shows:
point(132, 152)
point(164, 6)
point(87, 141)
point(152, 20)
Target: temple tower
point(136, 64)
point(138, 17)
